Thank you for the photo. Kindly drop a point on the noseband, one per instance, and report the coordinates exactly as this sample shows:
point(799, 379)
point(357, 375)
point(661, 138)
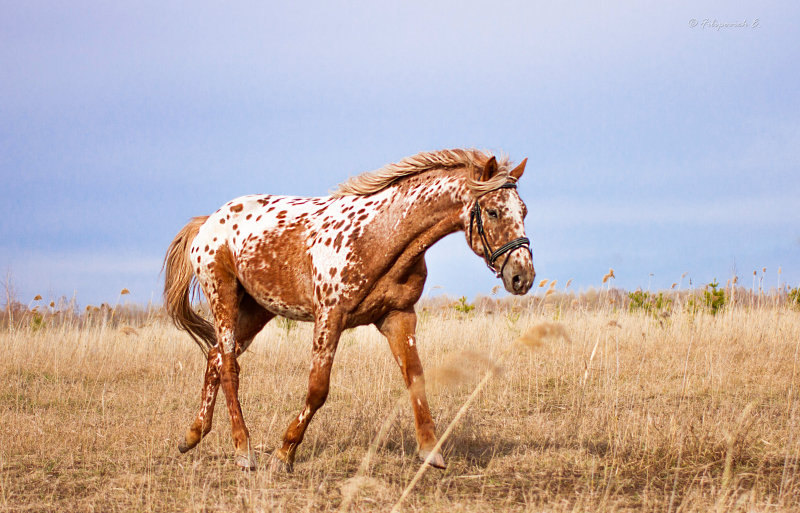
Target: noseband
point(491, 256)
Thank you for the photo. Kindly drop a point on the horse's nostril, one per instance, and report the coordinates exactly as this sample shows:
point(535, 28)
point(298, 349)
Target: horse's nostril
point(516, 282)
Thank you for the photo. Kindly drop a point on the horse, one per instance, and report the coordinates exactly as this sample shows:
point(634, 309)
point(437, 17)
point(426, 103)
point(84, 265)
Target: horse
point(355, 257)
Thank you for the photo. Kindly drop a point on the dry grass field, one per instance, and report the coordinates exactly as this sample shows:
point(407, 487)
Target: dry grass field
point(628, 411)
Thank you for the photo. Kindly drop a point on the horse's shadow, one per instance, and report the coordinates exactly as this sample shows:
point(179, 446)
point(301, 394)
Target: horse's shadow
point(466, 447)
point(478, 449)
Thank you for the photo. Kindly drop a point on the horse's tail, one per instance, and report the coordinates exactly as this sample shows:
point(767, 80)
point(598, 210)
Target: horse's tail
point(179, 281)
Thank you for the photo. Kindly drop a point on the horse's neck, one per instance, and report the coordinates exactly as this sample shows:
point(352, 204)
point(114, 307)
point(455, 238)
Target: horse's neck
point(427, 210)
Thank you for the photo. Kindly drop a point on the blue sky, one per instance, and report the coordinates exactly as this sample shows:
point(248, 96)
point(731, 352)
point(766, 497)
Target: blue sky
point(656, 144)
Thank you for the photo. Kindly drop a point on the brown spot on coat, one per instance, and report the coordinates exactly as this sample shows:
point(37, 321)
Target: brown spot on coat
point(237, 208)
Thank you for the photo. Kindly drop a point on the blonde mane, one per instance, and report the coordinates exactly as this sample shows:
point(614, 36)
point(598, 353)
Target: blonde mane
point(374, 181)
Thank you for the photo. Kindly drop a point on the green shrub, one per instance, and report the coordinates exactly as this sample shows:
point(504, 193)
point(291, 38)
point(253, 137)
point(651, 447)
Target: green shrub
point(794, 298)
point(713, 299)
point(655, 305)
point(37, 322)
point(462, 305)
point(287, 325)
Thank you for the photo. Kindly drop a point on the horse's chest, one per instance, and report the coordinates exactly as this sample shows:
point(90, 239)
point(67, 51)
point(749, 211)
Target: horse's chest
point(399, 289)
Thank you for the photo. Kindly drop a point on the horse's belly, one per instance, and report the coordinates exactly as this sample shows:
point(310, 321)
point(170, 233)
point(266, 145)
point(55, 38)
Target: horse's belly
point(278, 296)
point(296, 312)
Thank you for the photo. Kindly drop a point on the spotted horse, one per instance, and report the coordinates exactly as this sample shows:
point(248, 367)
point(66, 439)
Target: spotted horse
point(353, 258)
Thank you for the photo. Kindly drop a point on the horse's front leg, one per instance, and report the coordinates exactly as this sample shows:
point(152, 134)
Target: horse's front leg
point(399, 328)
point(327, 330)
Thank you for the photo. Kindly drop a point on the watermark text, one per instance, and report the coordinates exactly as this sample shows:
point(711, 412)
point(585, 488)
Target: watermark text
point(714, 24)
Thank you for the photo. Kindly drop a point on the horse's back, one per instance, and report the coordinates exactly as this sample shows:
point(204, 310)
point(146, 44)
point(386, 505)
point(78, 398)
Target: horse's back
point(267, 237)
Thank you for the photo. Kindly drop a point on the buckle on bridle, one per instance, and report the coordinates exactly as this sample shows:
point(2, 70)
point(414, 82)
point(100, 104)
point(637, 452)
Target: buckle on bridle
point(490, 257)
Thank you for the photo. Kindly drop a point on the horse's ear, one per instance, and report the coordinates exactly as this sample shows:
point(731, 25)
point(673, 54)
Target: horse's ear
point(489, 169)
point(517, 171)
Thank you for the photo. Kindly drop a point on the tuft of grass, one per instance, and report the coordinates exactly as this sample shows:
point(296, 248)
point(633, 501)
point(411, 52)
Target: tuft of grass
point(539, 333)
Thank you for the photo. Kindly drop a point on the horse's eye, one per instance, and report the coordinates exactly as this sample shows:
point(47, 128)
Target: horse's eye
point(492, 213)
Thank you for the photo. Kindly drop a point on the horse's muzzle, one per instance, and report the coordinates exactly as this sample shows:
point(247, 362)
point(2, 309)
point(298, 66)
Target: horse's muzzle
point(518, 274)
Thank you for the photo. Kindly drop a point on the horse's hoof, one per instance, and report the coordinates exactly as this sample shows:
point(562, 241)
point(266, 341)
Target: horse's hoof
point(436, 461)
point(246, 461)
point(278, 465)
point(184, 447)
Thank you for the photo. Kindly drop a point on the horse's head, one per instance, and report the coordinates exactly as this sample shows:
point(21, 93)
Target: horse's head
point(496, 229)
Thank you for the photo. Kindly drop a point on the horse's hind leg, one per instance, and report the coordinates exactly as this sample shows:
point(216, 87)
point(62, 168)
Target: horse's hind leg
point(202, 422)
point(252, 319)
point(224, 293)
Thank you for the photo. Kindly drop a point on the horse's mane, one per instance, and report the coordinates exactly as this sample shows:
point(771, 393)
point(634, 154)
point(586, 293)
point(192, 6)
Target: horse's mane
point(374, 181)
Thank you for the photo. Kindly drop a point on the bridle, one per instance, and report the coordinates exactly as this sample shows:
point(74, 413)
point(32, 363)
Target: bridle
point(491, 256)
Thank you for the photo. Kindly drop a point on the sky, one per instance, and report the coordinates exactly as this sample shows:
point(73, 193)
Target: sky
point(662, 138)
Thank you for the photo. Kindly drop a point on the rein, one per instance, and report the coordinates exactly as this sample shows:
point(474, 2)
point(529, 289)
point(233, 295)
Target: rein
point(491, 256)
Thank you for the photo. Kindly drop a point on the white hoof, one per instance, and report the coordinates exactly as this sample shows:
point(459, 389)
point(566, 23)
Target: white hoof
point(279, 466)
point(436, 460)
point(246, 461)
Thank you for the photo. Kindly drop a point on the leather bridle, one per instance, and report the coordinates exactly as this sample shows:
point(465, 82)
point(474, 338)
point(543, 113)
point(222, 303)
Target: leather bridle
point(491, 256)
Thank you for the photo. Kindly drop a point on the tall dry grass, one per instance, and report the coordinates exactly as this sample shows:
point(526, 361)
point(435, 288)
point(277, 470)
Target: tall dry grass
point(624, 411)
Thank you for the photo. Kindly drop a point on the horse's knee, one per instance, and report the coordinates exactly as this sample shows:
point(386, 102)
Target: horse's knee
point(317, 394)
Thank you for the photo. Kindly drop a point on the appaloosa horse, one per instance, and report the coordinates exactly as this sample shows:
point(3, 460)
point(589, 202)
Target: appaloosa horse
point(353, 258)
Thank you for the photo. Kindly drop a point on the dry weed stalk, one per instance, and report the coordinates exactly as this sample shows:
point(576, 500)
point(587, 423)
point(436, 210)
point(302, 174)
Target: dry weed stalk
point(456, 370)
point(588, 364)
point(532, 339)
